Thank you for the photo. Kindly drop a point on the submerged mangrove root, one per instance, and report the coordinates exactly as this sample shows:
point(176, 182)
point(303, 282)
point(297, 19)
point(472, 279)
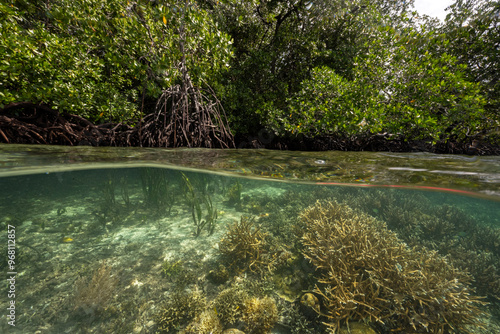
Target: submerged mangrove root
point(156, 189)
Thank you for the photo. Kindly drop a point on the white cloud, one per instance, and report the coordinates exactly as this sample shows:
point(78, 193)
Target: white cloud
point(434, 8)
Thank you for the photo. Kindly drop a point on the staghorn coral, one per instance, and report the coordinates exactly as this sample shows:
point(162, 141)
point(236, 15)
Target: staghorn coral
point(483, 265)
point(357, 328)
point(366, 272)
point(470, 244)
point(246, 246)
point(260, 315)
point(180, 309)
point(93, 295)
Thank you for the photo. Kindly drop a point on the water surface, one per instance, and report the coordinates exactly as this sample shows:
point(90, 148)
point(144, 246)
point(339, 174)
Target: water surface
point(111, 240)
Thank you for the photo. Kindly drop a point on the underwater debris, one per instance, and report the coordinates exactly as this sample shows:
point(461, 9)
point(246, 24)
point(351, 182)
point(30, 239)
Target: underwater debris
point(93, 295)
point(260, 315)
point(367, 273)
point(180, 309)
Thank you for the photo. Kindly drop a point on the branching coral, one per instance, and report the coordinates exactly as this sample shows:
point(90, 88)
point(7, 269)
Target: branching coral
point(470, 243)
point(206, 322)
point(245, 244)
point(260, 315)
point(368, 273)
point(181, 308)
point(229, 304)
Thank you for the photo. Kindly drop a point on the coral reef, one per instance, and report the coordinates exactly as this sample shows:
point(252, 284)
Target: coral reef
point(233, 331)
point(357, 328)
point(206, 322)
point(229, 305)
point(246, 247)
point(94, 295)
point(180, 309)
point(367, 273)
point(260, 315)
point(292, 317)
point(469, 243)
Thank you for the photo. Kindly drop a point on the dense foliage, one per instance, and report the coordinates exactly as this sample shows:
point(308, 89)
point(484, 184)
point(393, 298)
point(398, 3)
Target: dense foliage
point(291, 67)
point(102, 59)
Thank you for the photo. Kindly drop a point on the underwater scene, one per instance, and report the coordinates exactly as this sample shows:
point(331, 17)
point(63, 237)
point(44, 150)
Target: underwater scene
point(176, 250)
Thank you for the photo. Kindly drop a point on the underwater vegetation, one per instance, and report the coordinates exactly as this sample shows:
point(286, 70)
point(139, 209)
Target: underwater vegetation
point(234, 194)
point(276, 261)
point(157, 189)
point(195, 199)
point(92, 296)
point(365, 272)
point(218, 275)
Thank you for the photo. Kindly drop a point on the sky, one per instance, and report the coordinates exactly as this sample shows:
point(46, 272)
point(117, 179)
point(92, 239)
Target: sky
point(435, 8)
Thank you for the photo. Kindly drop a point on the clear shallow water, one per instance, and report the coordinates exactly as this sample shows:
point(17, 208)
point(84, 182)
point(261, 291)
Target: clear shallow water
point(109, 242)
point(480, 175)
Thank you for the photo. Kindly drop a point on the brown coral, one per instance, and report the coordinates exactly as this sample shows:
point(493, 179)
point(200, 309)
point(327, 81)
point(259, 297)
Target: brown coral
point(206, 322)
point(180, 309)
point(368, 273)
point(229, 304)
point(260, 315)
point(246, 246)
